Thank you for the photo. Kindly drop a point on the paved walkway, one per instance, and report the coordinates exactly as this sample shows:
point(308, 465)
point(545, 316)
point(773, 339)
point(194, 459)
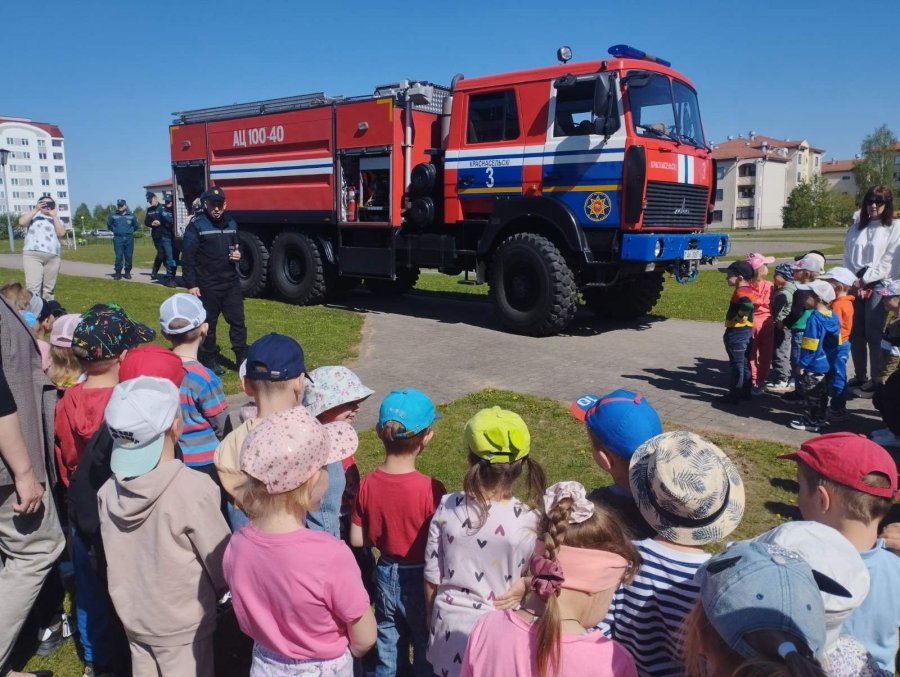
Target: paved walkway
point(451, 347)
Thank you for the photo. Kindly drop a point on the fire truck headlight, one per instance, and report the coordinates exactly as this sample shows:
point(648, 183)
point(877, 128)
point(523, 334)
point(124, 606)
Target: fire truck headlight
point(564, 54)
point(723, 246)
point(658, 248)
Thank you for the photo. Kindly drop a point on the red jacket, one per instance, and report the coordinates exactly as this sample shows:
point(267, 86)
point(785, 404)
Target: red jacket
point(79, 414)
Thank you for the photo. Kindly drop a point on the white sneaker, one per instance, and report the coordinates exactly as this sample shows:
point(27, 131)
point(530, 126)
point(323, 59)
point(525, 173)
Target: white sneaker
point(780, 387)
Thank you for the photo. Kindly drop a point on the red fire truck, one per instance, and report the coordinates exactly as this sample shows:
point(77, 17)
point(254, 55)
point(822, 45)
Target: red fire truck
point(581, 177)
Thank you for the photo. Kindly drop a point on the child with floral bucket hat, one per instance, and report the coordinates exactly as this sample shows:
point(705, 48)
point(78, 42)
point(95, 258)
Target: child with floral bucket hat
point(481, 538)
point(296, 592)
point(691, 494)
point(582, 555)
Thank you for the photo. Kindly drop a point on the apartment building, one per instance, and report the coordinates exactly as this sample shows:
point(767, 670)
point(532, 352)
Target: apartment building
point(36, 166)
point(755, 175)
point(839, 173)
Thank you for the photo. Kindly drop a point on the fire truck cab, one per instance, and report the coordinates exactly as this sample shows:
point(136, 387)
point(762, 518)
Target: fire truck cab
point(591, 177)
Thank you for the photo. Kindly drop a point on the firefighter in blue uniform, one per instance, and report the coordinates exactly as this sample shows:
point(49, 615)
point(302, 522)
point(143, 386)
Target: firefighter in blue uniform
point(210, 256)
point(160, 222)
point(123, 225)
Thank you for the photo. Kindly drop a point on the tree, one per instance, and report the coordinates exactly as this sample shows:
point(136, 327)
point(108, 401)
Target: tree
point(812, 204)
point(83, 218)
point(877, 165)
point(102, 213)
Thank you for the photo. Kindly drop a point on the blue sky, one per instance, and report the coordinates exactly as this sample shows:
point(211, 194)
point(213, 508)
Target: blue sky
point(111, 73)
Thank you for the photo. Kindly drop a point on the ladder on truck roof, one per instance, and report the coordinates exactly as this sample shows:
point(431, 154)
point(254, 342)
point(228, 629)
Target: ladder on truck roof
point(240, 110)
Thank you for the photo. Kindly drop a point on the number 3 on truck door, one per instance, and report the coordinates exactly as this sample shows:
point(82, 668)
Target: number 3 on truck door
point(489, 181)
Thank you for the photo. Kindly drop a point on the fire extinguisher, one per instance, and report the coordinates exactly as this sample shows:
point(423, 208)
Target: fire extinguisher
point(351, 203)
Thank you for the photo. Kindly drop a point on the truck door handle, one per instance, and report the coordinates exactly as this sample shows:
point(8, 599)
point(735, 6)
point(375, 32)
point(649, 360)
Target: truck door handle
point(464, 181)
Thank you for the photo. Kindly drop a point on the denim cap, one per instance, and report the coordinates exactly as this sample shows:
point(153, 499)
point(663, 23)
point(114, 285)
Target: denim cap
point(275, 357)
point(409, 407)
point(785, 270)
point(497, 436)
point(755, 586)
point(621, 420)
point(827, 551)
point(686, 488)
point(331, 387)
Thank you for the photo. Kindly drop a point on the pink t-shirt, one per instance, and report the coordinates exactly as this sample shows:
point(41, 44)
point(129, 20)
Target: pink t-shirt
point(294, 593)
point(504, 645)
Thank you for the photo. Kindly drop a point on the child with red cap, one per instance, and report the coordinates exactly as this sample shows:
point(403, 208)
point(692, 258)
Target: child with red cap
point(848, 482)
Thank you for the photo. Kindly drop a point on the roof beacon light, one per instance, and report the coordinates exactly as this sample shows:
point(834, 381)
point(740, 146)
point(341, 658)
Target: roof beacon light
point(626, 52)
point(564, 54)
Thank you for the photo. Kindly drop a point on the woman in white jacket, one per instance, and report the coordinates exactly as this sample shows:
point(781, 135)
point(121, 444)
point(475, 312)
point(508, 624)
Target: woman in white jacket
point(872, 251)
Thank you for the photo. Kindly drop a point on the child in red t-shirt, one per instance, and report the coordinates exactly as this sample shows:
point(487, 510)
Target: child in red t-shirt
point(393, 511)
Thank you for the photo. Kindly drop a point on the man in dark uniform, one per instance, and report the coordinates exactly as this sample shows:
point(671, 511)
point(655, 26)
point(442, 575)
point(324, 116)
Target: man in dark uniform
point(123, 225)
point(153, 221)
point(209, 264)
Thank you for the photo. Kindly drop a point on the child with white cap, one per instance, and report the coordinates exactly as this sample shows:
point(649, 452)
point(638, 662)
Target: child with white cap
point(804, 269)
point(828, 552)
point(842, 281)
point(296, 592)
point(818, 350)
point(163, 534)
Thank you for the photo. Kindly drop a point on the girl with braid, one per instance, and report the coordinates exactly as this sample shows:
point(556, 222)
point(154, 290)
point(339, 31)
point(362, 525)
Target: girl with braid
point(581, 556)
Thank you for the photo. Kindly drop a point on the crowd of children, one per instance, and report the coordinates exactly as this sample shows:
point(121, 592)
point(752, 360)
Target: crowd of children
point(177, 522)
point(797, 330)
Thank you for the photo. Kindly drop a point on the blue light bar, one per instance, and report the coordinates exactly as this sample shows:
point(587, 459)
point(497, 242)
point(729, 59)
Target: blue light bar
point(626, 52)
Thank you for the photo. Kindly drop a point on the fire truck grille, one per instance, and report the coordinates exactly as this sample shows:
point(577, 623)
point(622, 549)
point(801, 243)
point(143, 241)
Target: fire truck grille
point(676, 205)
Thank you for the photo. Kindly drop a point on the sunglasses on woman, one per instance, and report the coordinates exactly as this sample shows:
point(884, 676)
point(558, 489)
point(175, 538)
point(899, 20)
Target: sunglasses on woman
point(878, 201)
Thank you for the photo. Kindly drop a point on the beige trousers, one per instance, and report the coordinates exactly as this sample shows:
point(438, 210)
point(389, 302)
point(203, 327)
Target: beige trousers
point(41, 271)
point(186, 660)
point(30, 544)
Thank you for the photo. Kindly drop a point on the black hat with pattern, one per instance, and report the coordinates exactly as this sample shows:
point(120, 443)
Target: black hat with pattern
point(105, 331)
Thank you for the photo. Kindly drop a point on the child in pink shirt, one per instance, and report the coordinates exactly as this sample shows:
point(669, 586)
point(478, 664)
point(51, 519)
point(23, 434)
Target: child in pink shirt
point(297, 592)
point(762, 341)
point(581, 556)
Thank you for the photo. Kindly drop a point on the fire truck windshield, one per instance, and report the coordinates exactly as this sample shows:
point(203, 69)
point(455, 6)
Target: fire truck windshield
point(664, 108)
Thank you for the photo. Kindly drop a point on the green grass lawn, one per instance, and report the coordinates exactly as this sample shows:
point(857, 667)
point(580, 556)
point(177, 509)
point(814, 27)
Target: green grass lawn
point(99, 250)
point(328, 335)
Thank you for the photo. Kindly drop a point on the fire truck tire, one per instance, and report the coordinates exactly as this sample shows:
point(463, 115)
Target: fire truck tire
point(531, 286)
point(297, 269)
point(254, 266)
point(633, 297)
point(406, 280)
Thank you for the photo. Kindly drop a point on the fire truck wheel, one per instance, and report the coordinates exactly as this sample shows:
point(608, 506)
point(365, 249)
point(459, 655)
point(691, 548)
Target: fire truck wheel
point(297, 269)
point(254, 266)
point(406, 280)
point(633, 297)
point(531, 286)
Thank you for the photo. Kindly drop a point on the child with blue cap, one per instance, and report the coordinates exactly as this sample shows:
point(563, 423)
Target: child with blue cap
point(392, 512)
point(617, 424)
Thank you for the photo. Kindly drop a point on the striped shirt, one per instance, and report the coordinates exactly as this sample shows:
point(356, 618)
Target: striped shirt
point(646, 615)
point(202, 402)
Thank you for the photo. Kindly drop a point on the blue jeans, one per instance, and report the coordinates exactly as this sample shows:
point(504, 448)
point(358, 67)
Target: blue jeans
point(737, 343)
point(91, 610)
point(328, 517)
point(168, 249)
point(123, 246)
point(838, 378)
point(400, 613)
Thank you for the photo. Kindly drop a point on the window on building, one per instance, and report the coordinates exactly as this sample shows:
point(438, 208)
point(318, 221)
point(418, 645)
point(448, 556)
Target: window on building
point(817, 162)
point(45, 182)
point(720, 171)
point(60, 182)
point(748, 169)
point(744, 213)
point(493, 117)
point(746, 191)
point(799, 177)
point(44, 169)
point(64, 207)
point(25, 155)
point(61, 193)
point(897, 159)
point(29, 194)
point(9, 141)
point(57, 156)
point(42, 156)
point(59, 168)
point(15, 194)
point(57, 143)
point(720, 193)
point(42, 143)
point(13, 182)
point(717, 216)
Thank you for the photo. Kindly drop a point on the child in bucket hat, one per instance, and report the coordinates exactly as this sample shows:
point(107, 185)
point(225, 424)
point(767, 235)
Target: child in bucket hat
point(692, 495)
point(392, 513)
point(163, 534)
point(617, 424)
point(582, 554)
point(760, 608)
point(481, 538)
point(297, 592)
point(334, 393)
point(849, 483)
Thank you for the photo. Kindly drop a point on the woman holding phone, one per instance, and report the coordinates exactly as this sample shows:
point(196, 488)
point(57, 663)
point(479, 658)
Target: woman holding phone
point(40, 255)
point(872, 252)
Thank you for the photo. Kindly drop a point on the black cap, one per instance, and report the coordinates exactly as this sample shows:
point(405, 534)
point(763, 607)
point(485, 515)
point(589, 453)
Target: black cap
point(121, 203)
point(214, 194)
point(742, 268)
point(49, 308)
point(150, 195)
point(167, 197)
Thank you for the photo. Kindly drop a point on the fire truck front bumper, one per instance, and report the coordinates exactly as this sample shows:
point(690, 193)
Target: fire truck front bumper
point(672, 247)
